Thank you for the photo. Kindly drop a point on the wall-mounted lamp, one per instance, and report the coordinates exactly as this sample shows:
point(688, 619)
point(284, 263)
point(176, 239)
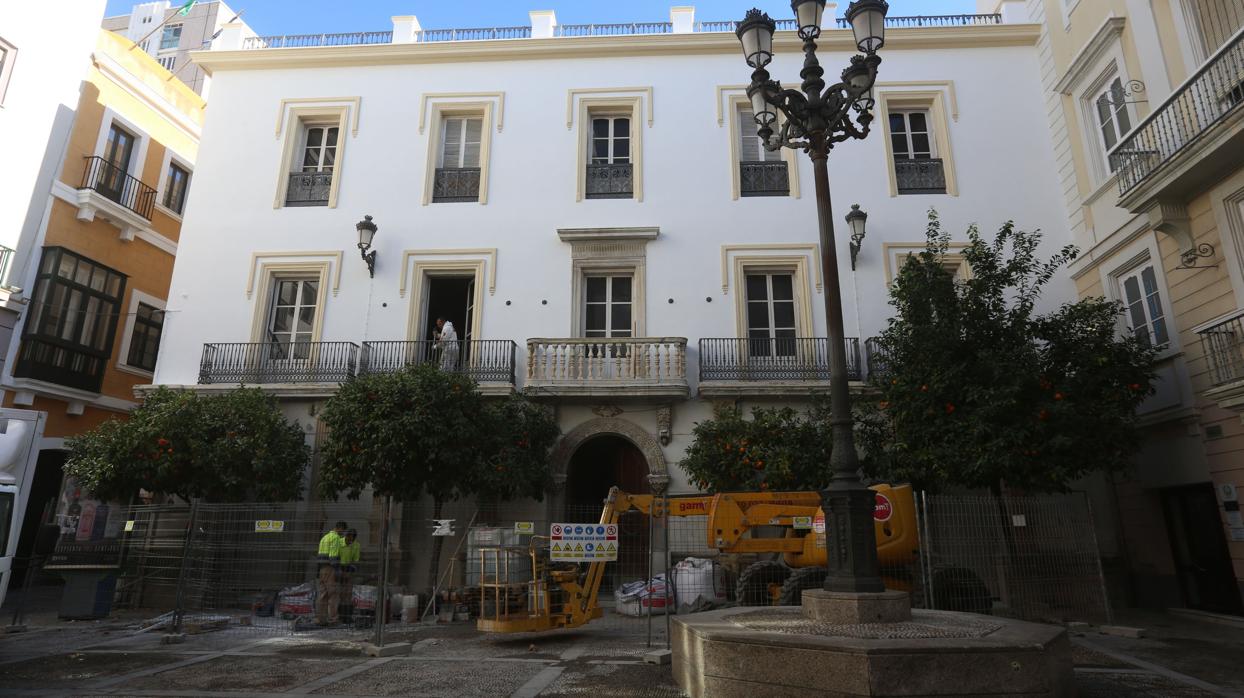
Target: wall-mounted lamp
point(856, 220)
point(367, 231)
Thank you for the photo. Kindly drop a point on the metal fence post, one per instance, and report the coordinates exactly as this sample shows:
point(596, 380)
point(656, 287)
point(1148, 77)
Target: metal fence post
point(1101, 573)
point(382, 597)
point(178, 609)
point(926, 543)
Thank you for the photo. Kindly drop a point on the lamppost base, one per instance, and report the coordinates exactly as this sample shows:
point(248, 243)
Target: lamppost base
point(851, 539)
point(854, 608)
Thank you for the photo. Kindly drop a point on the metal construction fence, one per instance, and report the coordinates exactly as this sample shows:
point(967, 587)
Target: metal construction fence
point(253, 567)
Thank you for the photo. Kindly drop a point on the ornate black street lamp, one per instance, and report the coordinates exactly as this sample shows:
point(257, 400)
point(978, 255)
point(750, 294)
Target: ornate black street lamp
point(367, 231)
point(814, 118)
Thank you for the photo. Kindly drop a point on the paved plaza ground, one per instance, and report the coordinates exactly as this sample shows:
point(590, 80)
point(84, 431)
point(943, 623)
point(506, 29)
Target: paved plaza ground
point(1178, 657)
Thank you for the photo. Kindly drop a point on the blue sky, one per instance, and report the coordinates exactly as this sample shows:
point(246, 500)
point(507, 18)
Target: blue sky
point(314, 16)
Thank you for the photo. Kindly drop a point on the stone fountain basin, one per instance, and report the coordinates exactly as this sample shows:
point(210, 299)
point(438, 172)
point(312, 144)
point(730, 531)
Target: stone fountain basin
point(781, 652)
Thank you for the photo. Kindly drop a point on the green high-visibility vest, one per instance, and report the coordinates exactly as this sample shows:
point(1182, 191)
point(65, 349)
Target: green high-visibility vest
point(350, 553)
point(330, 545)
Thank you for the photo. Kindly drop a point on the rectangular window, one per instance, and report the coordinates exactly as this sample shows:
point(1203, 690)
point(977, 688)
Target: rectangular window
point(291, 317)
point(457, 175)
point(69, 333)
point(145, 338)
point(609, 170)
point(762, 172)
point(175, 187)
point(118, 151)
point(1144, 306)
point(770, 314)
point(1113, 120)
point(311, 179)
point(171, 38)
point(607, 306)
point(8, 54)
point(917, 168)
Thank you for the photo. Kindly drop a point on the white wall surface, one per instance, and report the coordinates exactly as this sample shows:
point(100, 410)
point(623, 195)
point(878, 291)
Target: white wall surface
point(53, 55)
point(1001, 145)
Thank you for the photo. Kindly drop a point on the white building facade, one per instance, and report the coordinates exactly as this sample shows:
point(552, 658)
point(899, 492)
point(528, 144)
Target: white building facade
point(590, 211)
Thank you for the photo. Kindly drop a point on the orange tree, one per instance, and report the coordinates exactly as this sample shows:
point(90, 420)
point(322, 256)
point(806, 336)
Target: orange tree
point(232, 447)
point(423, 431)
point(776, 449)
point(980, 390)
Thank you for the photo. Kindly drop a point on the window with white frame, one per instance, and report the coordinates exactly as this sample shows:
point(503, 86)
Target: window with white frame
point(310, 184)
point(607, 310)
point(1145, 316)
point(291, 316)
point(762, 172)
point(175, 187)
point(145, 337)
point(8, 54)
point(171, 38)
point(609, 172)
point(770, 298)
point(917, 168)
point(457, 176)
point(1113, 120)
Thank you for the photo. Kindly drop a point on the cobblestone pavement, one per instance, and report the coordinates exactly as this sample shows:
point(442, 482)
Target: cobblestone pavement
point(1179, 658)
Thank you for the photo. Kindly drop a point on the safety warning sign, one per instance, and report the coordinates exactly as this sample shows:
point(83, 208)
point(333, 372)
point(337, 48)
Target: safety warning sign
point(580, 542)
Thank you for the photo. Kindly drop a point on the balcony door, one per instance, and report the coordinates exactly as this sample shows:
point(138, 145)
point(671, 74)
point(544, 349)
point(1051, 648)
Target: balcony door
point(451, 298)
point(291, 326)
point(118, 152)
point(771, 330)
point(607, 310)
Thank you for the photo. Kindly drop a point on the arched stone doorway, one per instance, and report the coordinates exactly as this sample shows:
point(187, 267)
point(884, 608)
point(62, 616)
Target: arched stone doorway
point(600, 463)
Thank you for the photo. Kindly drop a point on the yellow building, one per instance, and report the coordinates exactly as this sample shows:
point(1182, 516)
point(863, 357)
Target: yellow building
point(96, 277)
point(1145, 101)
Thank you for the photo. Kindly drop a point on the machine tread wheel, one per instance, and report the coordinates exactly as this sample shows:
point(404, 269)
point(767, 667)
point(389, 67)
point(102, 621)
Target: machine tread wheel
point(959, 589)
point(755, 580)
point(800, 580)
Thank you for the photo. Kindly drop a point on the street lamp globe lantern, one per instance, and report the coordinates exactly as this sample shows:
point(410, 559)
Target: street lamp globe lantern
point(367, 232)
point(857, 75)
point(761, 110)
point(808, 17)
point(755, 32)
point(867, 20)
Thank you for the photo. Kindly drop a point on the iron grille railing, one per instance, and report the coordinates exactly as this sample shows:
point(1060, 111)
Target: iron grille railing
point(480, 34)
point(924, 176)
point(484, 360)
point(610, 181)
point(1223, 345)
point(1213, 92)
point(763, 179)
point(623, 29)
point(456, 184)
point(115, 184)
point(308, 188)
point(772, 359)
point(570, 30)
point(878, 361)
point(309, 40)
point(278, 362)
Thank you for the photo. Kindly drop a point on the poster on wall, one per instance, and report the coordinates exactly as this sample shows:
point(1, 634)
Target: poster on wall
point(90, 530)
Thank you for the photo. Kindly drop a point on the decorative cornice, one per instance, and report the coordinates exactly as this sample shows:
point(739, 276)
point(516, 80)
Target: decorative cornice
point(595, 234)
point(976, 36)
point(1092, 52)
point(110, 68)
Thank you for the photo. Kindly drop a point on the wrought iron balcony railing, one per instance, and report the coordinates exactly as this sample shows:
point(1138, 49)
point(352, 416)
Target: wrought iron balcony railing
point(1223, 345)
point(456, 184)
point(484, 360)
point(1208, 97)
point(610, 181)
point(308, 188)
point(606, 362)
point(580, 30)
point(878, 363)
point(115, 184)
point(763, 179)
point(773, 359)
point(278, 362)
point(924, 176)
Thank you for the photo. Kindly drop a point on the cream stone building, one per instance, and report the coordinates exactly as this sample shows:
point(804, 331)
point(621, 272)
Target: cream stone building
point(1145, 103)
